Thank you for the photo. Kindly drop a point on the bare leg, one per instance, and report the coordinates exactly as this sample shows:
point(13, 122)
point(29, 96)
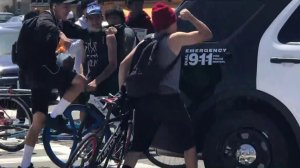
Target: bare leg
point(131, 158)
point(190, 157)
point(78, 85)
point(37, 124)
point(32, 136)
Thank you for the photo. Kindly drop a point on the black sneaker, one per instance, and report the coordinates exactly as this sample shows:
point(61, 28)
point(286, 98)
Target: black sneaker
point(59, 124)
point(31, 166)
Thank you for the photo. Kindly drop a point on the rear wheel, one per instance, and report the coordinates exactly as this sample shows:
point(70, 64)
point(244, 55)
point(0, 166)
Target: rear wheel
point(165, 159)
point(85, 154)
point(13, 129)
point(245, 139)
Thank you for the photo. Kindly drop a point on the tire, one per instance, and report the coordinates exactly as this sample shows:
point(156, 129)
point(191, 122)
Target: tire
point(56, 144)
point(164, 159)
point(245, 139)
point(86, 152)
point(115, 154)
point(10, 107)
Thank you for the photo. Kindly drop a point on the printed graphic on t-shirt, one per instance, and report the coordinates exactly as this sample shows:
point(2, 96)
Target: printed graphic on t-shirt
point(91, 53)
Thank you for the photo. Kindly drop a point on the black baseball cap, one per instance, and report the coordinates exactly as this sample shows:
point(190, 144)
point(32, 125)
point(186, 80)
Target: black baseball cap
point(64, 1)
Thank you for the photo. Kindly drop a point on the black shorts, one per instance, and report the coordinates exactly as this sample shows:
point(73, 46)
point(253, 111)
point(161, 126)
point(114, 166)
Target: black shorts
point(154, 111)
point(45, 80)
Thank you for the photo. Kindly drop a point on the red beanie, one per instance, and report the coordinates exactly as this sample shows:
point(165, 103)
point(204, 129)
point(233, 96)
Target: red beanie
point(162, 16)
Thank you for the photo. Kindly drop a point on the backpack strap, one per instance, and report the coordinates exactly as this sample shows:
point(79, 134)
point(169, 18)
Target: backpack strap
point(169, 67)
point(140, 48)
point(136, 57)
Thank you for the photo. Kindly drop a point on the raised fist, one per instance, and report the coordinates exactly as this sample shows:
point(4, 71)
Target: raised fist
point(185, 14)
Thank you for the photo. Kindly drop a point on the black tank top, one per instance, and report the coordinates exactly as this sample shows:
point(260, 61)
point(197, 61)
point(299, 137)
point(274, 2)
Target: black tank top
point(97, 60)
point(96, 54)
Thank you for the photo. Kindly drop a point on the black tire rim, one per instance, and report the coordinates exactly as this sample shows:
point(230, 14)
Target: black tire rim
point(246, 148)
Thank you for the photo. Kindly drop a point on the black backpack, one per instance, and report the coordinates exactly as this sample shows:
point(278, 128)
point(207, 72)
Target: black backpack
point(146, 73)
point(23, 49)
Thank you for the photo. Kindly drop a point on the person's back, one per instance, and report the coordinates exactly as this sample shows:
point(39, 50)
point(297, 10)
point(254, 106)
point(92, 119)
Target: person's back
point(170, 83)
point(22, 79)
point(164, 106)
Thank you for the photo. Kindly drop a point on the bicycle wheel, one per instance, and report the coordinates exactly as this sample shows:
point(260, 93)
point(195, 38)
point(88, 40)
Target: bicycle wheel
point(13, 130)
point(85, 153)
point(60, 146)
point(165, 159)
point(112, 152)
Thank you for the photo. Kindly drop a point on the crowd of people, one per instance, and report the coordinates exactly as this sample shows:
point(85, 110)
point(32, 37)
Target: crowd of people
point(103, 59)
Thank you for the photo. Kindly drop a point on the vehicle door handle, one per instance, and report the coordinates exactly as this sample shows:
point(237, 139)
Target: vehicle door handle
point(279, 60)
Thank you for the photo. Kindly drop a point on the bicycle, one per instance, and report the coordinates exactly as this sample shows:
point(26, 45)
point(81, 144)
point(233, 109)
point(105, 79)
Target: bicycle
point(165, 158)
point(94, 107)
point(55, 143)
point(13, 129)
point(94, 150)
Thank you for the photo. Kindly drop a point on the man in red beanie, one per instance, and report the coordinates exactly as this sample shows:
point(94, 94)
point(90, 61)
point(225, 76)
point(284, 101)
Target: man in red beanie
point(165, 107)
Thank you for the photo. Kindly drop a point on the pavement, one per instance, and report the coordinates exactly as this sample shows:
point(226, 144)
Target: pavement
point(41, 160)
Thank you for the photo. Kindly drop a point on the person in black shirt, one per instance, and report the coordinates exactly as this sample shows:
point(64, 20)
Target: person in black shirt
point(20, 114)
point(44, 74)
point(126, 37)
point(100, 54)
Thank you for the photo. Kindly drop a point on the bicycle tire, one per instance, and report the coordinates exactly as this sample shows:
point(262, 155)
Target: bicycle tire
point(58, 146)
point(89, 142)
point(12, 136)
point(164, 161)
point(115, 149)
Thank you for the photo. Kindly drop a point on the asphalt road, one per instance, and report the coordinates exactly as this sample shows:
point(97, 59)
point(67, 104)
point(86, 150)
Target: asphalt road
point(41, 160)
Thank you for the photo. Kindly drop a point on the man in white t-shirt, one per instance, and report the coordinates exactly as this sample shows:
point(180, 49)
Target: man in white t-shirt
point(82, 21)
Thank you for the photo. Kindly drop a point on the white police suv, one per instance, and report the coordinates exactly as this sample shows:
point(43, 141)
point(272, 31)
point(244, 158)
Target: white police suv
point(242, 88)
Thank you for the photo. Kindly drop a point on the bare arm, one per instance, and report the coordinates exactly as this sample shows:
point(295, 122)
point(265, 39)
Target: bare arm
point(112, 59)
point(179, 39)
point(83, 57)
point(125, 66)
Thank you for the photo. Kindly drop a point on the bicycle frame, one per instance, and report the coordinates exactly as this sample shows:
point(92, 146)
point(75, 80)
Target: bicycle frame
point(116, 137)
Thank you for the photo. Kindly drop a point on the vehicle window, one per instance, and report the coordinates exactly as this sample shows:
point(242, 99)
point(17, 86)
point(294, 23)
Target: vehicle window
point(16, 19)
point(290, 32)
point(223, 17)
point(5, 17)
point(6, 41)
